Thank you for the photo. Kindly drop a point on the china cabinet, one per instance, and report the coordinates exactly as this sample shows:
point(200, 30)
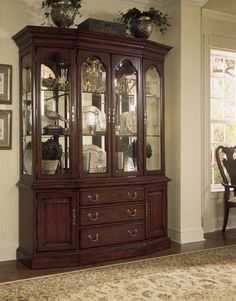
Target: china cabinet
point(92, 182)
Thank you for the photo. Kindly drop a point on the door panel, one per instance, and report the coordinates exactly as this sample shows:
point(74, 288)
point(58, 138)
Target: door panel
point(156, 212)
point(56, 221)
point(94, 113)
point(126, 110)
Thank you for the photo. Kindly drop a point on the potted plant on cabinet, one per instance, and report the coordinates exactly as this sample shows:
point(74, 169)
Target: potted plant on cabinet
point(51, 154)
point(140, 23)
point(62, 12)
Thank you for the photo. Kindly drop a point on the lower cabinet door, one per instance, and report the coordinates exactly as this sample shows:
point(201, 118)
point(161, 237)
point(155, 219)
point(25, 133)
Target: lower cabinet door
point(56, 221)
point(156, 212)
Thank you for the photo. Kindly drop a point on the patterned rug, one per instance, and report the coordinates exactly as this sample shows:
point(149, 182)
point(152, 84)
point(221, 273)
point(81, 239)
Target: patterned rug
point(208, 275)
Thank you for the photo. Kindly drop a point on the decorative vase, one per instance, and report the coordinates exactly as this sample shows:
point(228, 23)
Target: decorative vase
point(63, 13)
point(49, 166)
point(142, 28)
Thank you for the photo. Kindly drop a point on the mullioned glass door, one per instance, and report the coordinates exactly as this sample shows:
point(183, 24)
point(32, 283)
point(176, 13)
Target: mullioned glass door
point(153, 142)
point(125, 116)
point(94, 114)
point(56, 112)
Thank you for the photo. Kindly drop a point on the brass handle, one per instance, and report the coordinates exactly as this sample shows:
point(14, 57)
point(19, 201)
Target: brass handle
point(145, 118)
point(133, 233)
point(109, 115)
point(93, 217)
point(132, 196)
point(74, 217)
point(93, 239)
point(92, 199)
point(132, 213)
point(73, 113)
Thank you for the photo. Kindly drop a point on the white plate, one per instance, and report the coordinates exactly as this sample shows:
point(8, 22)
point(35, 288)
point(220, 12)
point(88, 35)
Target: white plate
point(97, 158)
point(27, 160)
point(131, 122)
point(92, 116)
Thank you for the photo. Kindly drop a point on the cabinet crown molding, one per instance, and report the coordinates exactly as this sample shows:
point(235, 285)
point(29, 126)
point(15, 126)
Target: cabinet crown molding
point(163, 3)
point(220, 16)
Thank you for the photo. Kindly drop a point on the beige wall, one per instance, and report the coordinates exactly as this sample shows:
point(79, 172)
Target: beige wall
point(184, 123)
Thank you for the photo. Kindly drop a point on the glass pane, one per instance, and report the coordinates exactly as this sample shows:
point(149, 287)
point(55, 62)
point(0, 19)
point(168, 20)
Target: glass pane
point(94, 128)
point(217, 109)
point(124, 117)
point(223, 106)
point(26, 115)
point(218, 133)
point(153, 120)
point(55, 104)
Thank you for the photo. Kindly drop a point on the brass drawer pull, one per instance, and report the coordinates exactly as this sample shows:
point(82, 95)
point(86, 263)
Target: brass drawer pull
point(92, 199)
point(93, 239)
point(132, 196)
point(132, 212)
point(74, 217)
point(93, 217)
point(133, 233)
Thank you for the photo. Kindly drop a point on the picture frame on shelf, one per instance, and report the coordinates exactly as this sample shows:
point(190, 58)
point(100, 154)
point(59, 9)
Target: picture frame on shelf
point(5, 129)
point(5, 84)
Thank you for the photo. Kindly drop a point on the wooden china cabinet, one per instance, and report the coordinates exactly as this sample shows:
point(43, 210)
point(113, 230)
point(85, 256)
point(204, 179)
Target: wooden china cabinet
point(92, 174)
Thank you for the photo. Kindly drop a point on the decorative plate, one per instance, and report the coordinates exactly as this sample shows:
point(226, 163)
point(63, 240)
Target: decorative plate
point(93, 117)
point(97, 158)
point(27, 160)
point(131, 122)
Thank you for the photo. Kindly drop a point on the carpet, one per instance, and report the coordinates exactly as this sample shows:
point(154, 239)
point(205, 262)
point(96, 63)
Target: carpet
point(208, 275)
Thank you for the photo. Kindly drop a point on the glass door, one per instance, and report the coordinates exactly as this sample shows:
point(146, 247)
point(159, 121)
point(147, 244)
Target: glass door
point(153, 143)
point(56, 112)
point(94, 108)
point(125, 116)
point(26, 111)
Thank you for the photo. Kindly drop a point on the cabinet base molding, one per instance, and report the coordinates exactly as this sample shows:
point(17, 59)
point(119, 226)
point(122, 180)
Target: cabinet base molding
point(81, 258)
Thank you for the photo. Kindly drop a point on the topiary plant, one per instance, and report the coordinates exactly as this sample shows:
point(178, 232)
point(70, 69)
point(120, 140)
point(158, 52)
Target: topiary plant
point(51, 150)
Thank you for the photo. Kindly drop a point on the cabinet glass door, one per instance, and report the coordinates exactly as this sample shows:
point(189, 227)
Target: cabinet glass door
point(26, 96)
point(55, 104)
point(124, 117)
point(152, 120)
point(94, 123)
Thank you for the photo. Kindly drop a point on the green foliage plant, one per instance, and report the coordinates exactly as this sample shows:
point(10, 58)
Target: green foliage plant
point(158, 18)
point(51, 150)
point(132, 150)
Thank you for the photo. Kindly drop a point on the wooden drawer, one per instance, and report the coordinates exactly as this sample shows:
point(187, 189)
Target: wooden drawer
point(108, 214)
point(111, 235)
point(111, 195)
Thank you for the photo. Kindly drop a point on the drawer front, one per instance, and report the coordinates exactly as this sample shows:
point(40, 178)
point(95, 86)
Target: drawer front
point(111, 195)
point(111, 235)
point(105, 215)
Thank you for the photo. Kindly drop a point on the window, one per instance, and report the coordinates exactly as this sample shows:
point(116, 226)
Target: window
point(223, 106)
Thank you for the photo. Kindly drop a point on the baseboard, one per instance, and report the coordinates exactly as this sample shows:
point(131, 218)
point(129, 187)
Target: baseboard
point(186, 236)
point(8, 252)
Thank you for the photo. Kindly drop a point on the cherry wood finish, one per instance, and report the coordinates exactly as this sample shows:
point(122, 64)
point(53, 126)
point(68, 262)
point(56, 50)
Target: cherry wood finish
point(77, 218)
